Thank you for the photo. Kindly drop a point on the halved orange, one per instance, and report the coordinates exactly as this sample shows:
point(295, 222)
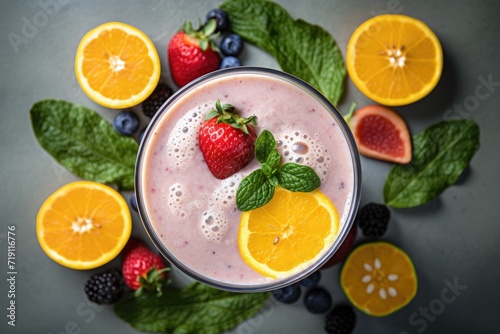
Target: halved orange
point(83, 225)
point(378, 278)
point(394, 59)
point(289, 233)
point(117, 65)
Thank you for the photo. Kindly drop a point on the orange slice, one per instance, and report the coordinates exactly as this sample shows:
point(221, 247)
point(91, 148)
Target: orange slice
point(289, 233)
point(394, 59)
point(117, 65)
point(83, 225)
point(379, 278)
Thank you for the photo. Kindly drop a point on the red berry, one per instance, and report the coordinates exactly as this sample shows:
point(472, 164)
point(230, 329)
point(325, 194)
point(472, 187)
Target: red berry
point(226, 140)
point(192, 53)
point(138, 260)
point(344, 249)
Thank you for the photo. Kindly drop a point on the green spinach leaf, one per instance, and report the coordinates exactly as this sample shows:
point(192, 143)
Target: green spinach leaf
point(85, 143)
point(196, 309)
point(440, 155)
point(302, 49)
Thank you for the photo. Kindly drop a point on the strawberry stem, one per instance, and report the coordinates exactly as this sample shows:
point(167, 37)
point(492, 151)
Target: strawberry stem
point(225, 113)
point(205, 35)
point(152, 281)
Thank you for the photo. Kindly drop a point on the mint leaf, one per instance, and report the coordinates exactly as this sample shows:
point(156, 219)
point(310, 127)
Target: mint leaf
point(83, 142)
point(266, 153)
point(440, 154)
point(196, 309)
point(257, 189)
point(295, 177)
point(254, 191)
point(302, 49)
point(264, 145)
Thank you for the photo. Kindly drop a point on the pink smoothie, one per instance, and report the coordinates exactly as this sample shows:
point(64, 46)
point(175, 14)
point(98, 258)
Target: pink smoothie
point(193, 213)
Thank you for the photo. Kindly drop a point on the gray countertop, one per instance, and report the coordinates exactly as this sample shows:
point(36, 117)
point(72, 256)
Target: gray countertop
point(452, 240)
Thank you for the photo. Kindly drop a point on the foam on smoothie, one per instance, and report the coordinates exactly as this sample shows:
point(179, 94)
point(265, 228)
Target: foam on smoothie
point(300, 147)
point(183, 140)
point(214, 221)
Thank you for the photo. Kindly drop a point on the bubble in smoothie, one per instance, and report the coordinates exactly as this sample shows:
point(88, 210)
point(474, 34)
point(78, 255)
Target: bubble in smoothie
point(183, 140)
point(176, 200)
point(214, 223)
point(302, 148)
point(225, 194)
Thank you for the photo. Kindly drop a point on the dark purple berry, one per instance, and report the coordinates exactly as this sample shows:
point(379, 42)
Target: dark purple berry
point(231, 45)
point(141, 135)
point(126, 123)
point(161, 94)
point(229, 61)
point(105, 288)
point(133, 202)
point(341, 320)
point(287, 295)
point(318, 300)
point(312, 280)
point(221, 17)
point(373, 219)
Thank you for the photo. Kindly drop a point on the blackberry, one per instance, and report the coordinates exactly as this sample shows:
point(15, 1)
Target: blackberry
point(161, 94)
point(341, 320)
point(105, 288)
point(373, 219)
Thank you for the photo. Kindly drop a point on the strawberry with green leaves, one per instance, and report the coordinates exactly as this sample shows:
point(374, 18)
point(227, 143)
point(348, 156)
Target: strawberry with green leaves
point(226, 140)
point(192, 52)
point(142, 269)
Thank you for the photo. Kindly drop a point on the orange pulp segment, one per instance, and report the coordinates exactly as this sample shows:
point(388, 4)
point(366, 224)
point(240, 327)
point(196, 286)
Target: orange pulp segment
point(117, 65)
point(378, 278)
point(394, 59)
point(83, 225)
point(289, 233)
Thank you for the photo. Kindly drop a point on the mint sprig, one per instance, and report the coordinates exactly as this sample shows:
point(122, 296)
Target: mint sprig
point(257, 189)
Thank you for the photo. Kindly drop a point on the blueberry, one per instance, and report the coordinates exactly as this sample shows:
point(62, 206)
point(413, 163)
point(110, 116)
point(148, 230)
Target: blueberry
point(126, 123)
point(318, 300)
point(221, 17)
point(231, 45)
point(312, 280)
point(133, 202)
point(141, 135)
point(229, 61)
point(288, 294)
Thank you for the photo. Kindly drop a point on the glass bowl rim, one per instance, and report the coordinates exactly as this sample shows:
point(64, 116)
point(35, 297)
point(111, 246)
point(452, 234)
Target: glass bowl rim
point(272, 284)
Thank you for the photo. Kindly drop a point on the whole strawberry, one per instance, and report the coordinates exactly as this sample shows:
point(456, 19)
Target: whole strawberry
point(192, 53)
point(226, 140)
point(142, 269)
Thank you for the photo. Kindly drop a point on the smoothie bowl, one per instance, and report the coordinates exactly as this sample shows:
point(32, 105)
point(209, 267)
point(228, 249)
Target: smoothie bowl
point(192, 216)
